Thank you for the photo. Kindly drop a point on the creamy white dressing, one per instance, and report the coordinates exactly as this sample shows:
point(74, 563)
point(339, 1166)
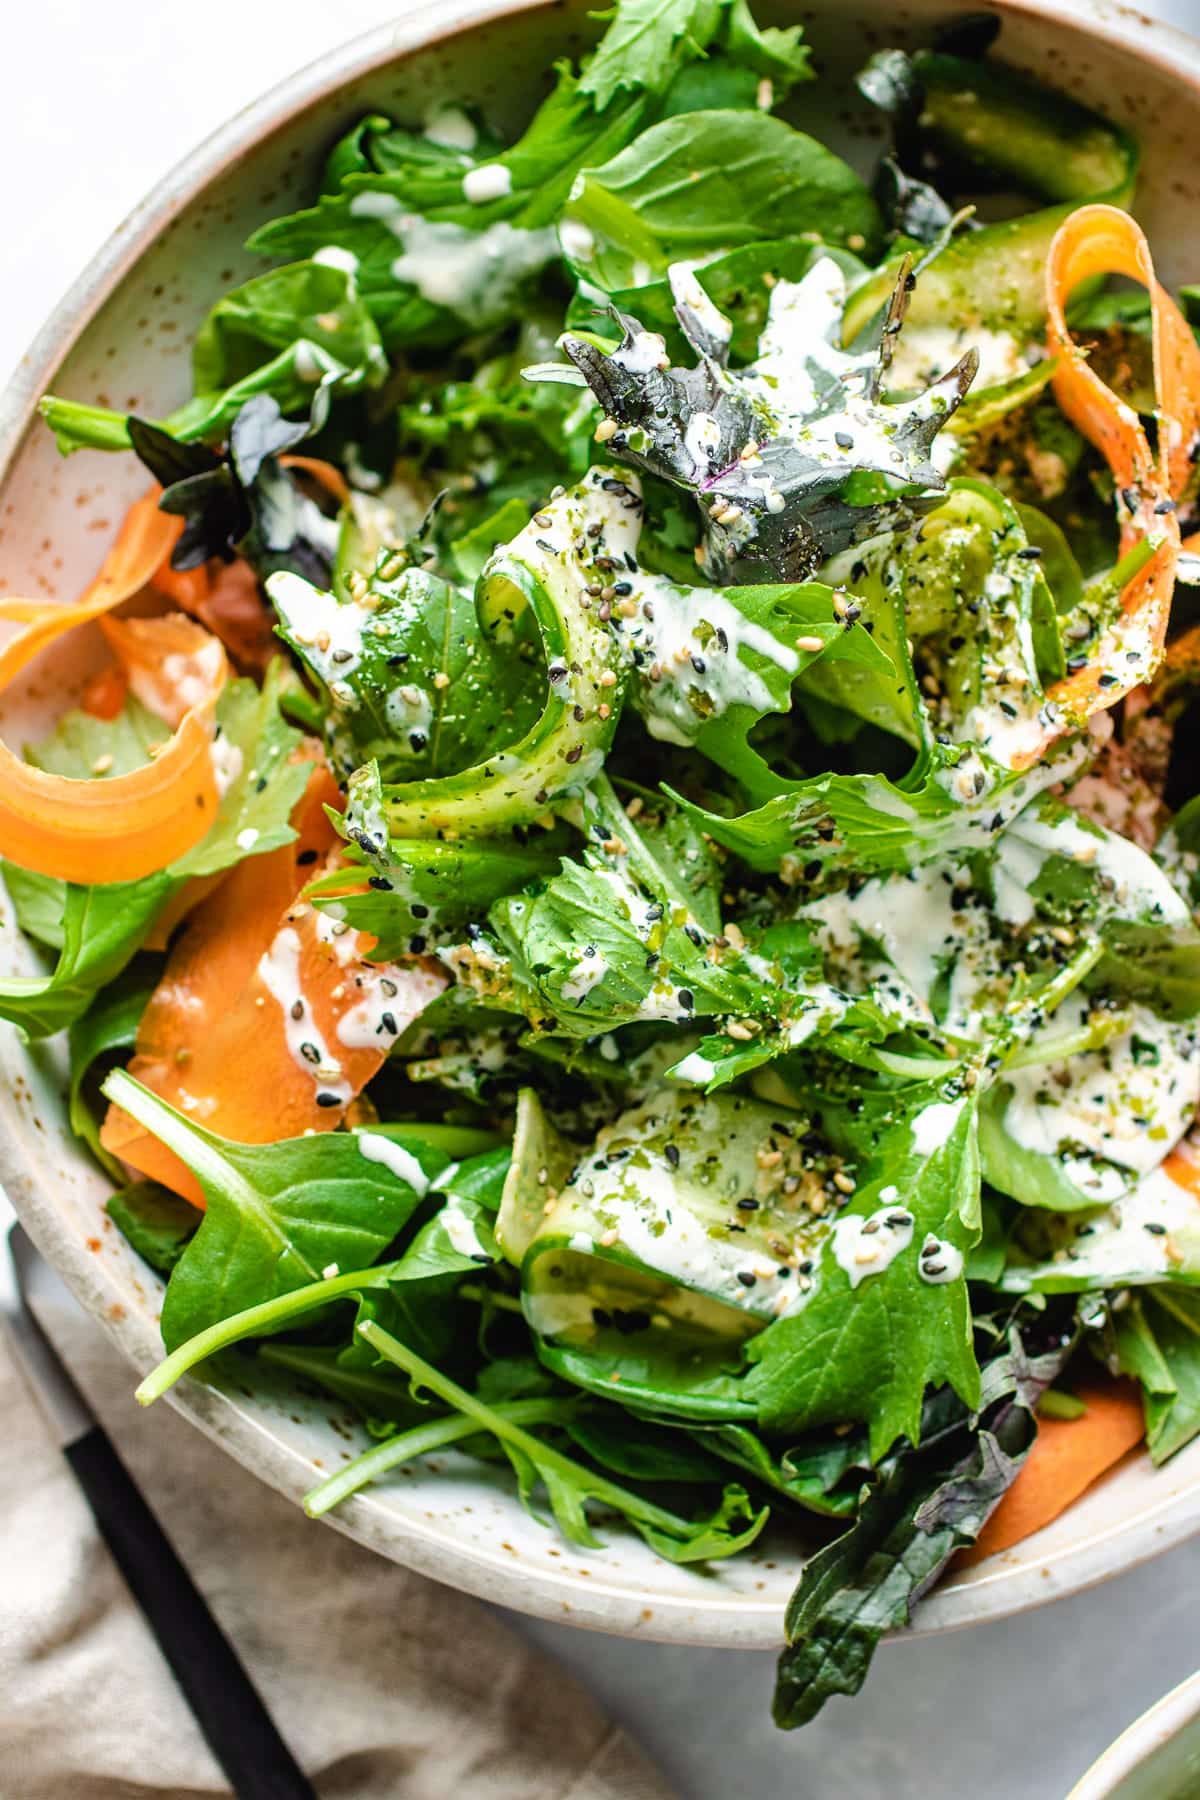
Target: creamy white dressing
point(924, 352)
point(329, 630)
point(939, 1262)
point(396, 1159)
point(577, 241)
point(490, 181)
point(1109, 1115)
point(333, 256)
point(449, 126)
point(227, 762)
point(647, 351)
point(694, 641)
point(1139, 886)
point(472, 273)
point(390, 999)
point(687, 291)
point(1147, 1234)
point(694, 1068)
point(868, 1246)
point(460, 1229)
point(279, 972)
point(588, 971)
point(933, 1126)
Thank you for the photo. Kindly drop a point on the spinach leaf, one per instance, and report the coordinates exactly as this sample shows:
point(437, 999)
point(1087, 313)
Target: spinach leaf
point(109, 1024)
point(278, 1215)
point(158, 1224)
point(37, 903)
point(933, 1500)
point(865, 1346)
point(712, 181)
point(1158, 1341)
point(103, 928)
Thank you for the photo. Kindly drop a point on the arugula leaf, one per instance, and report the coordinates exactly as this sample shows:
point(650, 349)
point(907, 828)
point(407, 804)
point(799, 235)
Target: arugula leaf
point(1158, 1341)
point(277, 1215)
point(414, 683)
point(933, 1501)
point(157, 1223)
point(283, 334)
point(647, 40)
point(866, 1345)
point(569, 1485)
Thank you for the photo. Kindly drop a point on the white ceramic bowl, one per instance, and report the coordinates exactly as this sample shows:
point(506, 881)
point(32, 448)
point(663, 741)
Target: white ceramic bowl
point(1156, 1758)
point(119, 338)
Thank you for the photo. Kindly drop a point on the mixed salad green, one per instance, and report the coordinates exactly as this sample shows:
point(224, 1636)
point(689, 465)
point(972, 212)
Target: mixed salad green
point(775, 989)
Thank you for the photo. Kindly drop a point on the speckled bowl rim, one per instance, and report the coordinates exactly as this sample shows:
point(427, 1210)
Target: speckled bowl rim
point(993, 1592)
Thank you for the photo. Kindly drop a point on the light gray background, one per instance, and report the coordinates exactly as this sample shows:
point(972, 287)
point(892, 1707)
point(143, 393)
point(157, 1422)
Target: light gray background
point(99, 100)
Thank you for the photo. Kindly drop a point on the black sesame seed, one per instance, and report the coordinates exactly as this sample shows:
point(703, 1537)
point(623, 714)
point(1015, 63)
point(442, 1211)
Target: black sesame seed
point(379, 882)
point(328, 1100)
point(746, 1278)
point(1155, 1229)
point(672, 1155)
point(387, 1020)
point(748, 1204)
point(305, 857)
point(310, 1053)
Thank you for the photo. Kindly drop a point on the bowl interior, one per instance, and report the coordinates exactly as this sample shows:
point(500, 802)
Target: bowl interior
point(120, 339)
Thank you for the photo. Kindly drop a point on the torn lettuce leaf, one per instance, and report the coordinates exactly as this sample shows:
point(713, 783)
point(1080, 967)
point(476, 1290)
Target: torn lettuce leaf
point(792, 459)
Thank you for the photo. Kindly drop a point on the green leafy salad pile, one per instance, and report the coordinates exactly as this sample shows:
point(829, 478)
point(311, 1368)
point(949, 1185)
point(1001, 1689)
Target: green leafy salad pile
point(819, 1008)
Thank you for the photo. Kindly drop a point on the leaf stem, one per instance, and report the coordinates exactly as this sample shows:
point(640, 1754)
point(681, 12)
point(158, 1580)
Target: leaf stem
point(419, 1440)
point(424, 1375)
point(268, 1315)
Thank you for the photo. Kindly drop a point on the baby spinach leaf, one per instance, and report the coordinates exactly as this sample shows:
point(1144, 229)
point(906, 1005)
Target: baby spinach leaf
point(37, 903)
point(157, 1223)
point(278, 1215)
point(1158, 1341)
point(103, 928)
point(712, 181)
point(109, 1024)
point(931, 1502)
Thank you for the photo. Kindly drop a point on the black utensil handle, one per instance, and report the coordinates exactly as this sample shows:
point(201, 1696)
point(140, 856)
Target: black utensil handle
point(228, 1708)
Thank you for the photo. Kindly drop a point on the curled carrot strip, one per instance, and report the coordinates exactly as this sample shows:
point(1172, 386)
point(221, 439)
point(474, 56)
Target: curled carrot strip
point(135, 824)
point(1101, 240)
point(143, 543)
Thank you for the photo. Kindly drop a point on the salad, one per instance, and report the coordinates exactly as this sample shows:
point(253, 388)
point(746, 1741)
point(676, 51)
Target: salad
point(623, 895)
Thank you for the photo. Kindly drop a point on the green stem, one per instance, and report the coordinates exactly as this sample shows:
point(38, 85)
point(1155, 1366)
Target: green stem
point(424, 1375)
point(474, 1291)
point(268, 1315)
point(1048, 1048)
point(419, 1441)
point(1111, 585)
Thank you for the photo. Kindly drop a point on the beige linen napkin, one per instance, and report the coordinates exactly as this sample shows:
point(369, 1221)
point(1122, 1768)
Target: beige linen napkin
point(386, 1686)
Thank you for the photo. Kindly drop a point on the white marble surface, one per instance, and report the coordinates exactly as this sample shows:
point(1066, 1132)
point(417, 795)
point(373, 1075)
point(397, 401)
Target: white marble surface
point(101, 98)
